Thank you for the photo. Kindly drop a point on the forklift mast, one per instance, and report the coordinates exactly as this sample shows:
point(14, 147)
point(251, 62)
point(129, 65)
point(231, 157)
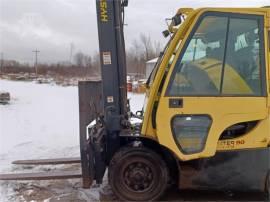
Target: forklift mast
point(110, 20)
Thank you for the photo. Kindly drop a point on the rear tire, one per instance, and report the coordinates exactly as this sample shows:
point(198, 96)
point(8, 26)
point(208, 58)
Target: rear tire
point(267, 186)
point(138, 174)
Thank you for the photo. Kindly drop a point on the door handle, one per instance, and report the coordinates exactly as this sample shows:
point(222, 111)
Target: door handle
point(175, 103)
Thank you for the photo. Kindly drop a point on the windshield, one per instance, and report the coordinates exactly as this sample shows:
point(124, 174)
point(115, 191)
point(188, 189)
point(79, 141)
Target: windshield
point(154, 71)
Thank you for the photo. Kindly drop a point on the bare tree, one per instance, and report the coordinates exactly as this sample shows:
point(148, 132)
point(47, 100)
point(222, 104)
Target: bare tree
point(148, 47)
point(141, 51)
point(88, 61)
point(157, 48)
point(79, 59)
point(96, 63)
point(134, 57)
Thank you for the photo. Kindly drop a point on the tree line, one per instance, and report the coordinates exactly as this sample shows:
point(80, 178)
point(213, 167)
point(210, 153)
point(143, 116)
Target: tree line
point(138, 53)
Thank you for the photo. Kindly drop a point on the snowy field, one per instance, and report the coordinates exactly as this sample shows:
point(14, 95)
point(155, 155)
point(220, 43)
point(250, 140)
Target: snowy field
point(41, 121)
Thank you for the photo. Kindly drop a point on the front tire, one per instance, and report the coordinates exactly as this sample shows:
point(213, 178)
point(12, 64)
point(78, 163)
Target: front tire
point(138, 174)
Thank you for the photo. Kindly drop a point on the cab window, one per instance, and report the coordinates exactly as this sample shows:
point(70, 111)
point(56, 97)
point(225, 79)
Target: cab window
point(223, 57)
point(242, 69)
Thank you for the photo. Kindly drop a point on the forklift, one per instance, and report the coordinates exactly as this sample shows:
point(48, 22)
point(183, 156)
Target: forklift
point(205, 123)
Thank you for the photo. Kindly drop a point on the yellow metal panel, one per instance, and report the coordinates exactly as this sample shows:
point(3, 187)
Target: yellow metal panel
point(258, 137)
point(225, 111)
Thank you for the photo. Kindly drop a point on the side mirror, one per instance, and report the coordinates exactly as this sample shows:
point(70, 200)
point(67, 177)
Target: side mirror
point(166, 33)
point(139, 113)
point(125, 3)
point(177, 20)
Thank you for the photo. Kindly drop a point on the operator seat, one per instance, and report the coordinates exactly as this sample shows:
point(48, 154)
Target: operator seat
point(215, 53)
point(245, 63)
point(218, 53)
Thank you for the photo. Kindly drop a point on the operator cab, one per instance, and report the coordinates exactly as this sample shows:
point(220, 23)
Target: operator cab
point(210, 79)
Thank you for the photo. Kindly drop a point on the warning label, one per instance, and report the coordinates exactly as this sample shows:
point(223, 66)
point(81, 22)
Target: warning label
point(110, 99)
point(107, 59)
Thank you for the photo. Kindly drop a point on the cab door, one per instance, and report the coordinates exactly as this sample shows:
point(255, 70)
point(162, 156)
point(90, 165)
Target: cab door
point(214, 97)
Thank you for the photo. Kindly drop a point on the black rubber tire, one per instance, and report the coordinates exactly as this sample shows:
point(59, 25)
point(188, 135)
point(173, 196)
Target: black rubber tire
point(267, 186)
point(122, 167)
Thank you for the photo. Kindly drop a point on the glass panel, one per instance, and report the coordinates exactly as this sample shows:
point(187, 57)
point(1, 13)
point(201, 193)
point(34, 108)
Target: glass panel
point(190, 132)
point(242, 68)
point(199, 71)
point(152, 76)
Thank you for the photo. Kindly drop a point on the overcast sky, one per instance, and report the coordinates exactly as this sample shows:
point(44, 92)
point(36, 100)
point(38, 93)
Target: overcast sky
point(52, 25)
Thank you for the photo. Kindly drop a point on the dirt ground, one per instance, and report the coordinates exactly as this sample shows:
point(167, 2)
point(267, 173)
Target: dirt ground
point(71, 191)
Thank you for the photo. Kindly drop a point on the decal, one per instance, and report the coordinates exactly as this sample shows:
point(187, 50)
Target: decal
point(107, 59)
point(110, 99)
point(103, 11)
point(230, 144)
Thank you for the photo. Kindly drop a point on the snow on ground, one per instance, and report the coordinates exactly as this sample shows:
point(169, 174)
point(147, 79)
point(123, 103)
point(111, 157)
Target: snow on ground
point(41, 121)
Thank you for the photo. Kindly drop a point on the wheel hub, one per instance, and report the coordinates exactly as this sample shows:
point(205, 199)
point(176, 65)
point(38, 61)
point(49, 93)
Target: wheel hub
point(138, 176)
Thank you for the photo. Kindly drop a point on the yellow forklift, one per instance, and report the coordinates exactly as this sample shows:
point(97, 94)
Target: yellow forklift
point(205, 123)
